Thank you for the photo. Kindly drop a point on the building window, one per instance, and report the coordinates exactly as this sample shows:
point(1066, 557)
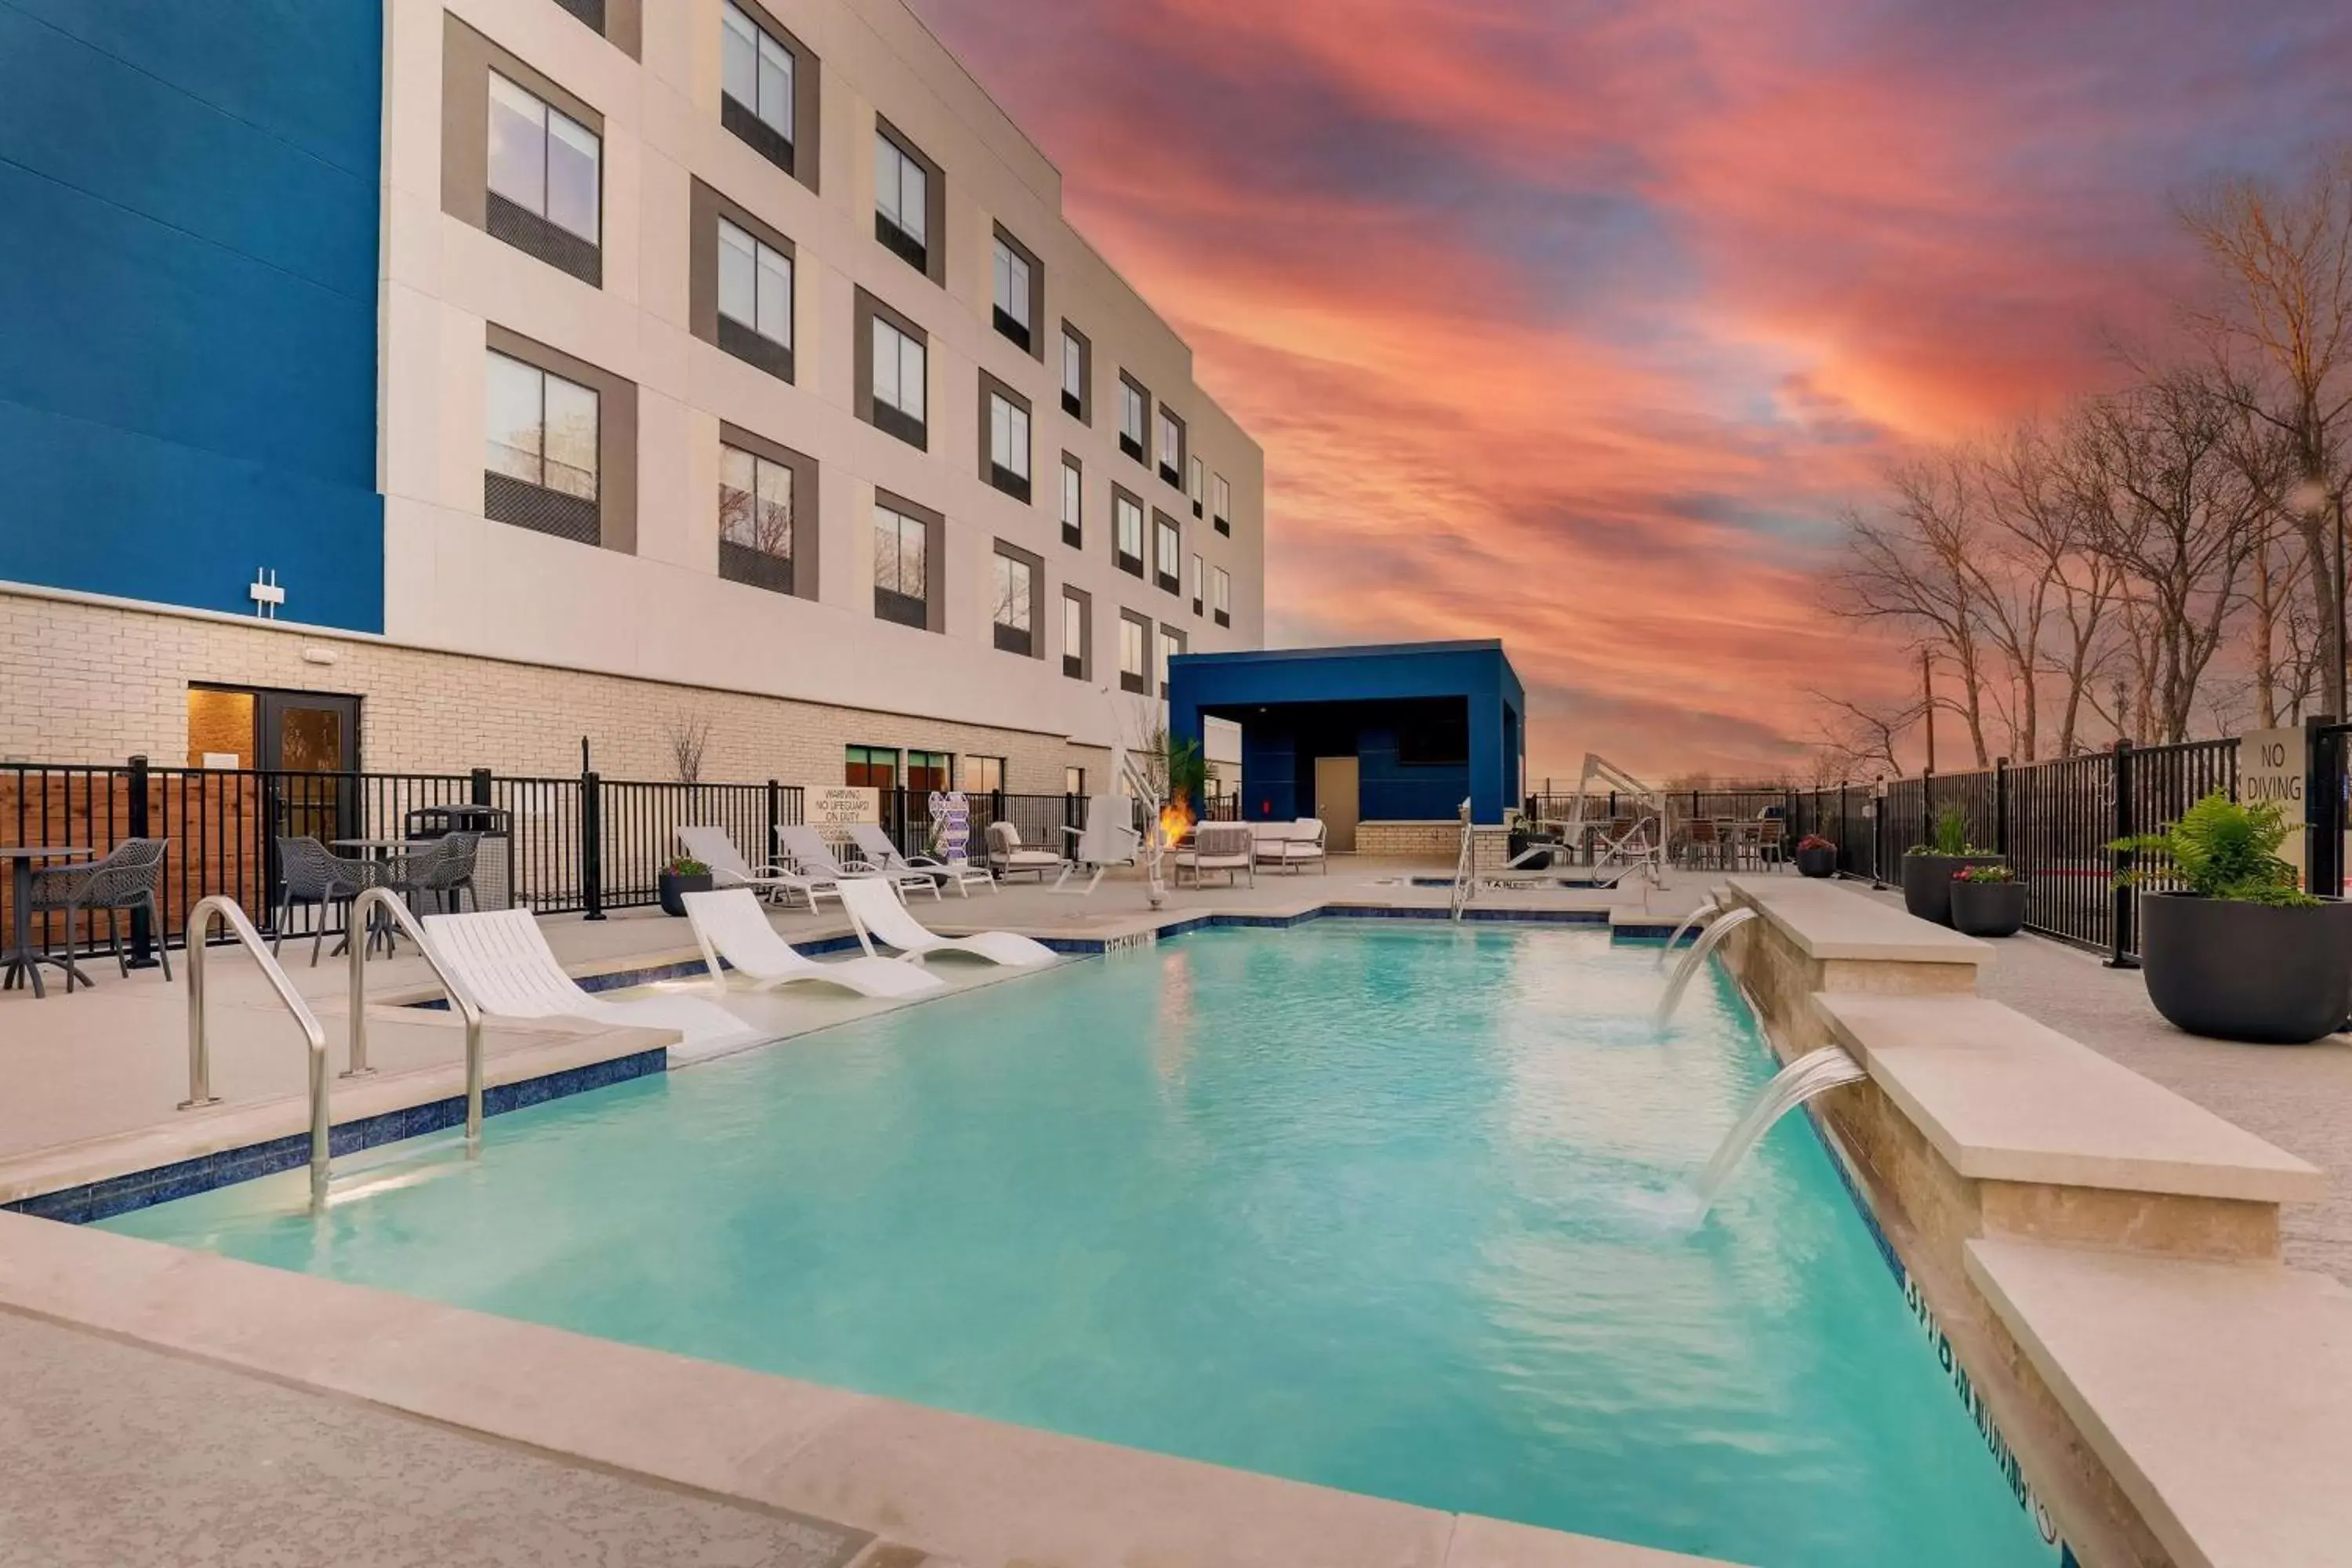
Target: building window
point(870, 767)
point(1171, 643)
point(1077, 618)
point(902, 201)
point(755, 300)
point(756, 87)
point(1222, 512)
point(1019, 292)
point(1169, 541)
point(1132, 402)
point(539, 468)
point(894, 368)
point(901, 568)
point(589, 13)
point(545, 181)
point(1134, 637)
point(983, 774)
point(1011, 610)
point(755, 520)
point(929, 770)
point(1074, 781)
point(1006, 436)
point(1192, 584)
point(1078, 374)
point(1171, 448)
point(1197, 486)
point(1127, 515)
point(1221, 599)
point(1073, 508)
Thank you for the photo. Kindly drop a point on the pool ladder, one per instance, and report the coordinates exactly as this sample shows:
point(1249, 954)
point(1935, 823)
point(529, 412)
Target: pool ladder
point(222, 910)
point(1465, 875)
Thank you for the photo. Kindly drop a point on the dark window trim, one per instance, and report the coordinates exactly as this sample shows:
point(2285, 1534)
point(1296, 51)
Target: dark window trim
point(620, 23)
point(1033, 641)
point(1184, 446)
point(935, 540)
point(1183, 646)
point(1168, 582)
point(806, 477)
point(930, 255)
point(1075, 534)
point(1085, 658)
point(1140, 684)
point(616, 432)
point(1081, 408)
point(803, 156)
point(542, 239)
point(1130, 564)
point(1224, 526)
point(1138, 449)
point(915, 432)
point(708, 204)
point(1019, 488)
point(1222, 618)
point(467, 58)
point(1031, 339)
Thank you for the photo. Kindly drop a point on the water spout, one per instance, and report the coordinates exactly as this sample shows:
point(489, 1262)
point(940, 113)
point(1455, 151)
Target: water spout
point(1814, 1073)
point(1697, 915)
point(1708, 941)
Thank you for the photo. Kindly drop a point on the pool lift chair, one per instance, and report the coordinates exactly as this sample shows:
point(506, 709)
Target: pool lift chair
point(1641, 848)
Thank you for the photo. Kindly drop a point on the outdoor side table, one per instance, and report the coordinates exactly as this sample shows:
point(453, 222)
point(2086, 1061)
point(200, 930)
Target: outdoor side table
point(23, 960)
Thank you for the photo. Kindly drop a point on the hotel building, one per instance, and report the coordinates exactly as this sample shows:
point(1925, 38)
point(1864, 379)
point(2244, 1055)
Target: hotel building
point(439, 384)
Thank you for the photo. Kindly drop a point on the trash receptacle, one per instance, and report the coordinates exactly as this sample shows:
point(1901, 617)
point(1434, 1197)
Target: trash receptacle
point(493, 860)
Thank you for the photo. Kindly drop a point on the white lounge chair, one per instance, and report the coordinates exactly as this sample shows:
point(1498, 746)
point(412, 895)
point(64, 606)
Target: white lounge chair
point(1291, 844)
point(730, 925)
point(1227, 846)
point(875, 910)
point(1009, 857)
point(714, 848)
point(503, 959)
point(1108, 839)
point(874, 847)
point(813, 856)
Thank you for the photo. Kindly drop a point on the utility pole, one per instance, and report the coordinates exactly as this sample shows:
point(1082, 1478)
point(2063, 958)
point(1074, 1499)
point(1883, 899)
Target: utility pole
point(1928, 701)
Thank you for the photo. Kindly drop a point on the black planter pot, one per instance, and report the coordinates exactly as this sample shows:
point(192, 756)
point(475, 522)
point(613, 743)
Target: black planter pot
point(1817, 862)
point(2247, 971)
point(1989, 909)
point(672, 885)
point(1928, 882)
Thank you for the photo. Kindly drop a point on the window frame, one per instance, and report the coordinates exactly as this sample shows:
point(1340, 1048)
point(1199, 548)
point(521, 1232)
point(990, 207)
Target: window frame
point(1018, 483)
point(803, 577)
point(942, 764)
point(1167, 635)
point(616, 436)
point(1167, 420)
point(1029, 337)
point(865, 757)
point(1078, 406)
point(1196, 581)
point(1221, 596)
point(934, 532)
point(1139, 680)
point(1196, 485)
point(926, 254)
point(1081, 665)
point(890, 417)
point(1028, 641)
point(795, 152)
point(1135, 445)
point(976, 786)
point(711, 210)
point(1167, 553)
point(1220, 492)
point(1073, 501)
point(1122, 502)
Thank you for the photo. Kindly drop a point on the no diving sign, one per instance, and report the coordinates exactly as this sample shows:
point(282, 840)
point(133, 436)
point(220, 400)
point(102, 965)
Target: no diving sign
point(2270, 773)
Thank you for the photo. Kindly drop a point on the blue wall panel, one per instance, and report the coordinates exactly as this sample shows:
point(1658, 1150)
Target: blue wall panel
point(188, 236)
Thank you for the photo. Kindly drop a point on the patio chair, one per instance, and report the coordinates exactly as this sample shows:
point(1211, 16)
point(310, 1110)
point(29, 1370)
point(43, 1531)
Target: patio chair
point(1109, 839)
point(1227, 846)
point(310, 873)
point(123, 882)
point(875, 910)
point(731, 925)
point(813, 856)
point(448, 878)
point(1009, 857)
point(1291, 845)
point(501, 956)
point(714, 848)
point(875, 849)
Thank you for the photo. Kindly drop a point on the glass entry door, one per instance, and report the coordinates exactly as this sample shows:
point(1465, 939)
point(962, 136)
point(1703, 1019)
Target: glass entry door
point(309, 747)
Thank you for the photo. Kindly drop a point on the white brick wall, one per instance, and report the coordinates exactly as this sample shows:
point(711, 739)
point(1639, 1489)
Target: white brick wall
point(96, 683)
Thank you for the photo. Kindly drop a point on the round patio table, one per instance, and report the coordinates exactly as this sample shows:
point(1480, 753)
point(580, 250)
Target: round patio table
point(23, 960)
point(380, 930)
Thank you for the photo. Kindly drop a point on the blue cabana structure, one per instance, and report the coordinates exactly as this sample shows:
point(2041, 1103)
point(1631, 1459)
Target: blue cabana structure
point(1393, 733)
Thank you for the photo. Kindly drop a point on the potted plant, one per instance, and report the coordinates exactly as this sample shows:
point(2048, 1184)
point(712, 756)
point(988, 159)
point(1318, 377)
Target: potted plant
point(681, 876)
point(1928, 869)
point(1816, 856)
point(1988, 901)
point(2238, 951)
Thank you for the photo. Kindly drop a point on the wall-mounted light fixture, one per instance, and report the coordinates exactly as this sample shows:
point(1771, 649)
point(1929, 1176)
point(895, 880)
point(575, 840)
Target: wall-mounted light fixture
point(264, 593)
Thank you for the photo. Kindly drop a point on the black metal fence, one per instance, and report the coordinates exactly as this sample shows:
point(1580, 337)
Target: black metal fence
point(579, 844)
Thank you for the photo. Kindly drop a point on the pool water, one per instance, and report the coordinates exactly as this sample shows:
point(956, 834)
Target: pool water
point(1389, 1208)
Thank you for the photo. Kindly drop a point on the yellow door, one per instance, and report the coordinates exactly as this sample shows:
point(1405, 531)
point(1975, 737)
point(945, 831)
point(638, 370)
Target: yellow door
point(1335, 801)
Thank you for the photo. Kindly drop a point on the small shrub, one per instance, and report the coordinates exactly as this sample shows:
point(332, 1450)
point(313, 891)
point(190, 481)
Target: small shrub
point(1949, 835)
point(1814, 841)
point(686, 865)
point(1984, 874)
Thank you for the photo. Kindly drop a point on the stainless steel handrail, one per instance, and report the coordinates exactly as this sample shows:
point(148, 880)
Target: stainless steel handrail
point(362, 911)
point(200, 1060)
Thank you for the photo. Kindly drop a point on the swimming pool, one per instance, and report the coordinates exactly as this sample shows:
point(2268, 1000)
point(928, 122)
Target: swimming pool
point(1381, 1205)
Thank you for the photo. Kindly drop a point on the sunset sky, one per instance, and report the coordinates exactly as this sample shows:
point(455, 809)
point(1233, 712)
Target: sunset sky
point(1574, 323)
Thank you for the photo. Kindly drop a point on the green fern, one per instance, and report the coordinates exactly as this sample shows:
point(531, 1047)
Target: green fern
point(2221, 849)
point(1948, 836)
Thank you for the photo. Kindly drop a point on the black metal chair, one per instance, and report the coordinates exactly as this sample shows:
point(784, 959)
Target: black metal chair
point(123, 882)
point(310, 873)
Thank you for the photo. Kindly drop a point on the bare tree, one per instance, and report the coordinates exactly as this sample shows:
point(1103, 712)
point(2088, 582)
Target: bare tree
point(2174, 504)
point(689, 734)
point(1861, 739)
point(2283, 260)
point(1913, 567)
